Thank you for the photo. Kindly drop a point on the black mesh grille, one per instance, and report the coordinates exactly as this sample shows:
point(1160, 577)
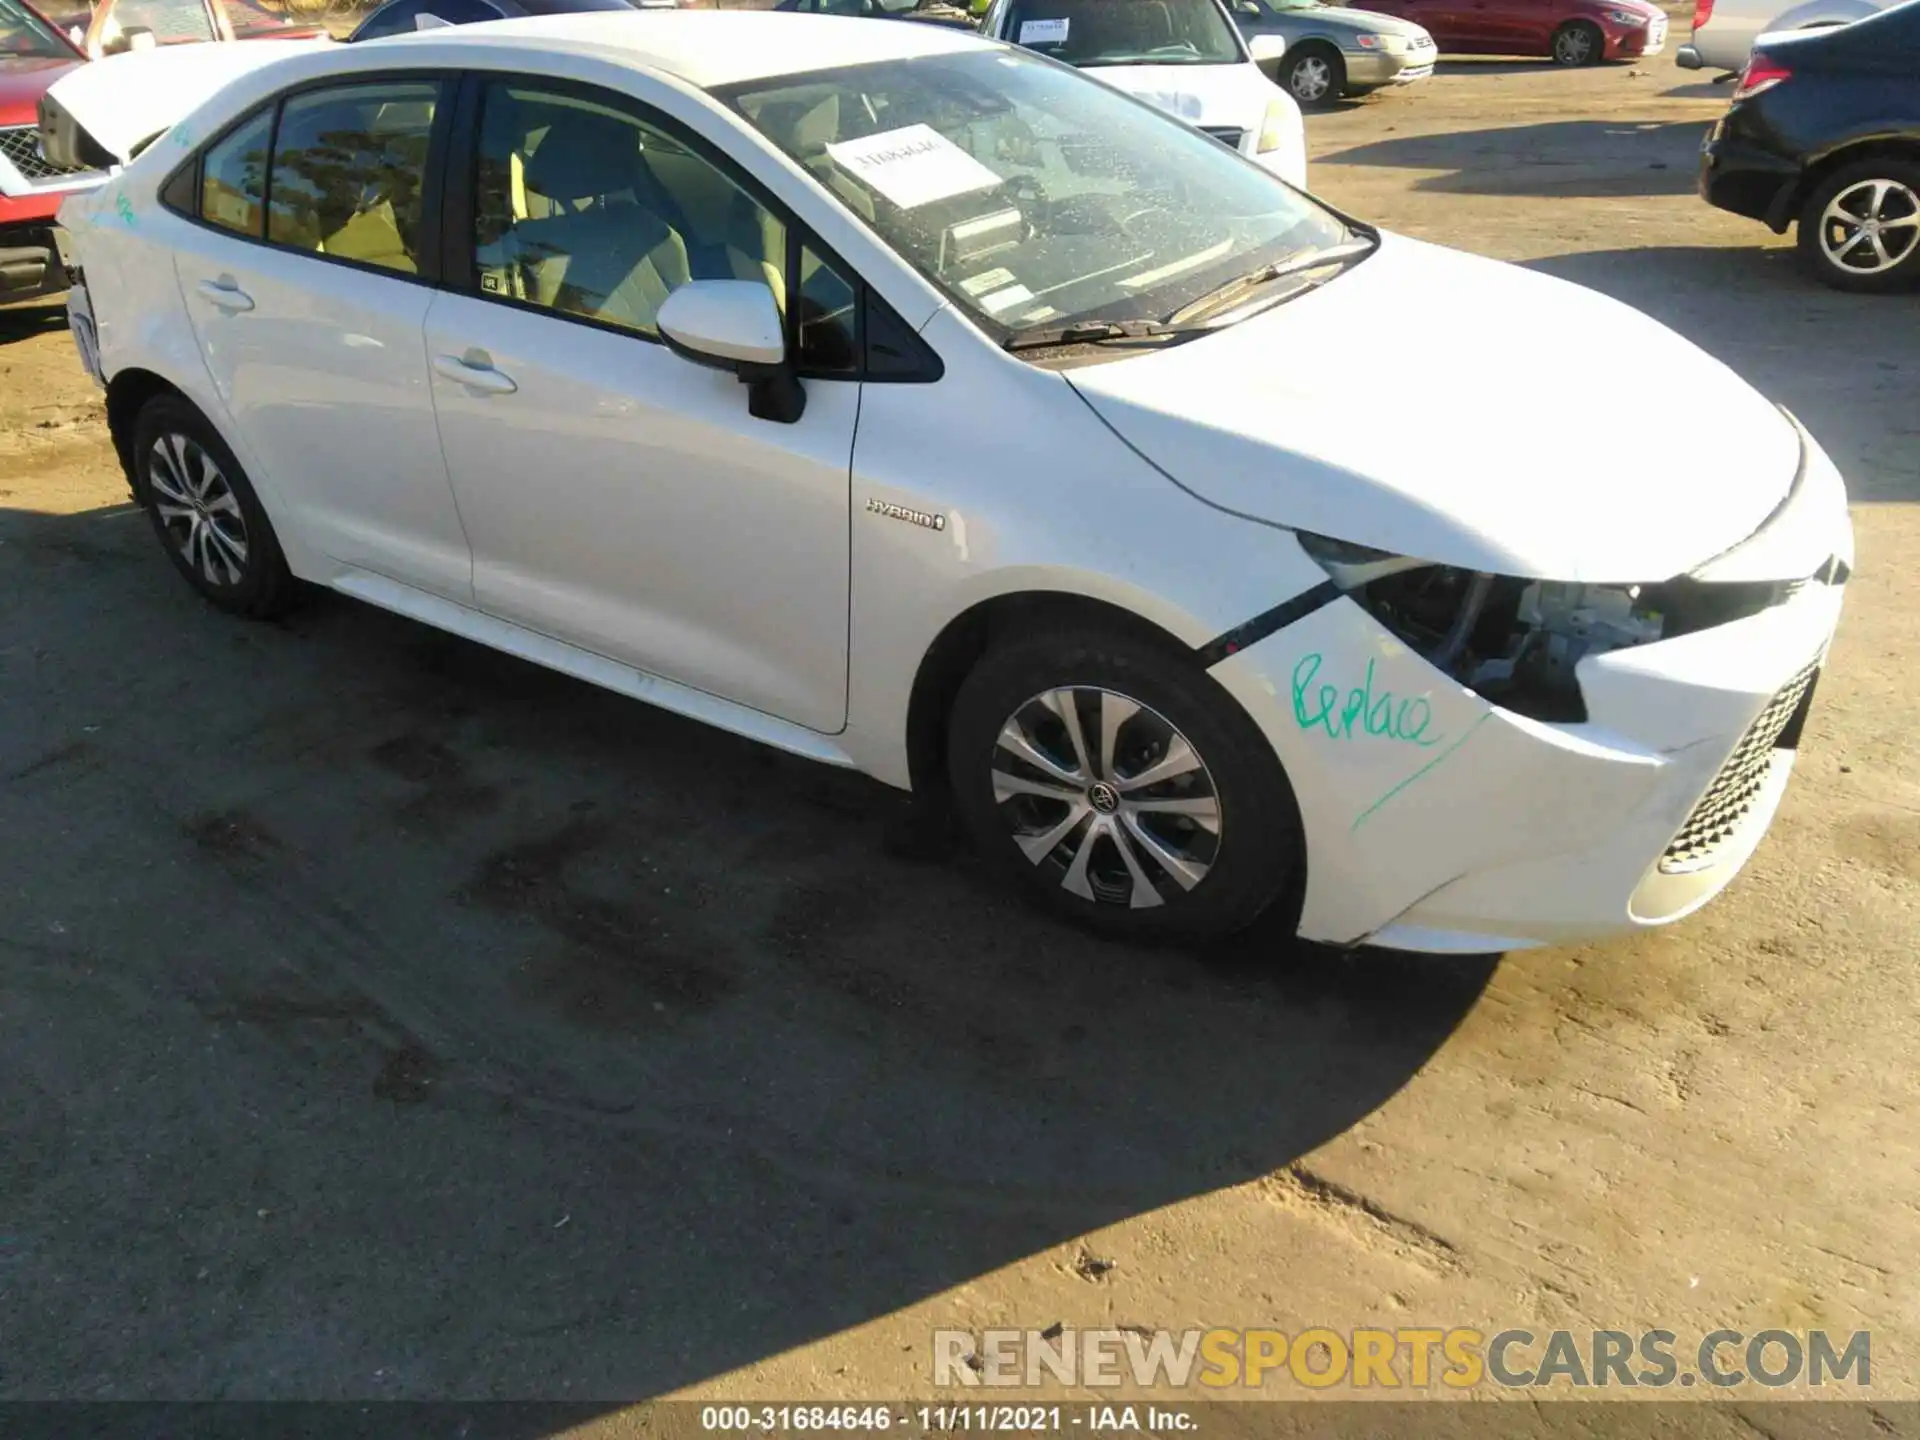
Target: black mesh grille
point(1227, 135)
point(21, 145)
point(1720, 811)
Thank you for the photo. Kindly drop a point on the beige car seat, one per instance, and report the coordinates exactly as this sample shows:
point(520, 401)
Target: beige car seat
point(600, 250)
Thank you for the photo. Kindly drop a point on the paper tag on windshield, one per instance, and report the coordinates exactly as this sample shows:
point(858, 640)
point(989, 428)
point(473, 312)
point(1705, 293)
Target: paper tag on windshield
point(1005, 299)
point(978, 285)
point(912, 166)
point(1043, 32)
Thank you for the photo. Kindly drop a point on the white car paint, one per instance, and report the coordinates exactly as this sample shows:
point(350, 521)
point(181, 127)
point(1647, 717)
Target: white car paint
point(1497, 397)
point(129, 98)
point(618, 515)
point(1235, 97)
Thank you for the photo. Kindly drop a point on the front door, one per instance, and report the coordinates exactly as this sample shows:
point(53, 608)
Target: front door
point(618, 497)
point(309, 313)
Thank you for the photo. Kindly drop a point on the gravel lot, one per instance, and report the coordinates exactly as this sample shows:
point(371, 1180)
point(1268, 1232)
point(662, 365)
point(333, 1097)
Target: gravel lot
point(382, 1017)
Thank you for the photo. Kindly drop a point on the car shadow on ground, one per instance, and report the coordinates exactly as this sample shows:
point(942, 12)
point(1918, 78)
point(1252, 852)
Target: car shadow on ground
point(1559, 157)
point(391, 1017)
point(1753, 307)
point(29, 318)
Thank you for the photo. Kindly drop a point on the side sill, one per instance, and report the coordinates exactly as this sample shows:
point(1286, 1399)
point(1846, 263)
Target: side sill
point(585, 665)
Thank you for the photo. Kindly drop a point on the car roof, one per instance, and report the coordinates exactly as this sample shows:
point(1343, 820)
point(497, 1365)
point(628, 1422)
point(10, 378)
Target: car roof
point(705, 48)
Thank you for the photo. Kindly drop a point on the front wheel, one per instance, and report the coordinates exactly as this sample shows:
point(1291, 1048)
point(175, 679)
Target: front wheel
point(1119, 785)
point(1860, 228)
point(1578, 42)
point(1314, 75)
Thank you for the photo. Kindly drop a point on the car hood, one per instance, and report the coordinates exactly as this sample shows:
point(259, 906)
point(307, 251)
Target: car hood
point(122, 100)
point(1199, 94)
point(1339, 17)
point(1435, 404)
point(23, 82)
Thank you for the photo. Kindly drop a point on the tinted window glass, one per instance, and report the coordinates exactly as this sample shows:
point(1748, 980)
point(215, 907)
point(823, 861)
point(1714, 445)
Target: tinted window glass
point(826, 338)
point(584, 207)
point(348, 170)
point(233, 176)
point(391, 19)
point(457, 12)
point(568, 7)
point(1125, 32)
point(24, 35)
point(1030, 195)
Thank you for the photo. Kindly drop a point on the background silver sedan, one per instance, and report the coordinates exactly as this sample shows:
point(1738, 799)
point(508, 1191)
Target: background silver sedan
point(1333, 51)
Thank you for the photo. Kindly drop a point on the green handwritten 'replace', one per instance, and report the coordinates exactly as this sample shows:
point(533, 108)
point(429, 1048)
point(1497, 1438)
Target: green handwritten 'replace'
point(1361, 711)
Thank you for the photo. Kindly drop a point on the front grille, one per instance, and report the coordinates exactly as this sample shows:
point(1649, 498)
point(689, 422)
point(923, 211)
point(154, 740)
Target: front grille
point(1728, 801)
point(1227, 135)
point(21, 145)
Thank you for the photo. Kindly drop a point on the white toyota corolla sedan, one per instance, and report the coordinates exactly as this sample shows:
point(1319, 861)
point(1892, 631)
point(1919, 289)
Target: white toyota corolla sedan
point(917, 404)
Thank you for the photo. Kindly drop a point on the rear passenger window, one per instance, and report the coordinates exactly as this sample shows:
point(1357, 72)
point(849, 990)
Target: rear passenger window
point(349, 169)
point(233, 177)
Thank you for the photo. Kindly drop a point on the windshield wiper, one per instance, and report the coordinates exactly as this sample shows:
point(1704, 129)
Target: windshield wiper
point(1088, 332)
point(1292, 265)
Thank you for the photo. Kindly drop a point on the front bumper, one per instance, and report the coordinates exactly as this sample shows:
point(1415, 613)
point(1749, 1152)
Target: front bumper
point(1639, 42)
point(1485, 830)
point(1371, 69)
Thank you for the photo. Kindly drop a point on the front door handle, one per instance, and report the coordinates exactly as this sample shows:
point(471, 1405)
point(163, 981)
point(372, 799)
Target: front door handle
point(226, 294)
point(475, 371)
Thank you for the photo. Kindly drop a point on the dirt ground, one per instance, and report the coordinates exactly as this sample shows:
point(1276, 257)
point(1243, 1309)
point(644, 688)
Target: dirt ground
point(382, 1017)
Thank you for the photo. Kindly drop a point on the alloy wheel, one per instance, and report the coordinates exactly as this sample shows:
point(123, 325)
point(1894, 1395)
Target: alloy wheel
point(1310, 78)
point(1870, 227)
point(198, 509)
point(1573, 46)
point(1104, 793)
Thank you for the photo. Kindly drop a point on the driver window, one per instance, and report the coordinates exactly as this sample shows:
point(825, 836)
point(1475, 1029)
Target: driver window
point(585, 208)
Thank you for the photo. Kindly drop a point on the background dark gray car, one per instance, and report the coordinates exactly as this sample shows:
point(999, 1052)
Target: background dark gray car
point(1333, 51)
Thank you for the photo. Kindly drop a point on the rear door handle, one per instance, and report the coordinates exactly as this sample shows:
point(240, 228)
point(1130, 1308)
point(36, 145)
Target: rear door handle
point(475, 371)
point(225, 294)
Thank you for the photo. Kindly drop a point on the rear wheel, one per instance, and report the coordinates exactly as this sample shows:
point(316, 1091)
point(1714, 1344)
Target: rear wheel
point(1860, 228)
point(205, 511)
point(1314, 74)
point(1120, 786)
point(1578, 42)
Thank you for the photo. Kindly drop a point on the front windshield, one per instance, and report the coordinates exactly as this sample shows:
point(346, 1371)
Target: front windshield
point(1031, 195)
point(25, 36)
point(1125, 32)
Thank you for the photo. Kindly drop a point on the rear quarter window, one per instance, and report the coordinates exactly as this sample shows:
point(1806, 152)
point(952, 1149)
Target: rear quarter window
point(233, 177)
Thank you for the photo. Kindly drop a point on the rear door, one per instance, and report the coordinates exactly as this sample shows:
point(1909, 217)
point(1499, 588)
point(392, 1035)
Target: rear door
point(308, 276)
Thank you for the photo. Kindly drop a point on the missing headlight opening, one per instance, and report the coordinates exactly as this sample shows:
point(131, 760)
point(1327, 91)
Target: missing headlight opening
point(1516, 642)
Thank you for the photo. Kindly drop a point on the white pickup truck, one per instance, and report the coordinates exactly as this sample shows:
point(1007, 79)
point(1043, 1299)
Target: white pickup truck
point(1184, 56)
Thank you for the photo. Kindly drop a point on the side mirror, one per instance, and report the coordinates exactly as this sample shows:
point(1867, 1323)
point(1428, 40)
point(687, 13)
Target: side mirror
point(1265, 49)
point(138, 37)
point(735, 325)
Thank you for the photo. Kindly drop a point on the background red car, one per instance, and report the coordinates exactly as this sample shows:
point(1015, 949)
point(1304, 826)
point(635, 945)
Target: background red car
point(1570, 32)
point(37, 49)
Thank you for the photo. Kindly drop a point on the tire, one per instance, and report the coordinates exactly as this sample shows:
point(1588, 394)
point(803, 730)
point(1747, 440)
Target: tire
point(1201, 853)
point(205, 511)
point(1840, 249)
point(1314, 75)
point(1577, 43)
